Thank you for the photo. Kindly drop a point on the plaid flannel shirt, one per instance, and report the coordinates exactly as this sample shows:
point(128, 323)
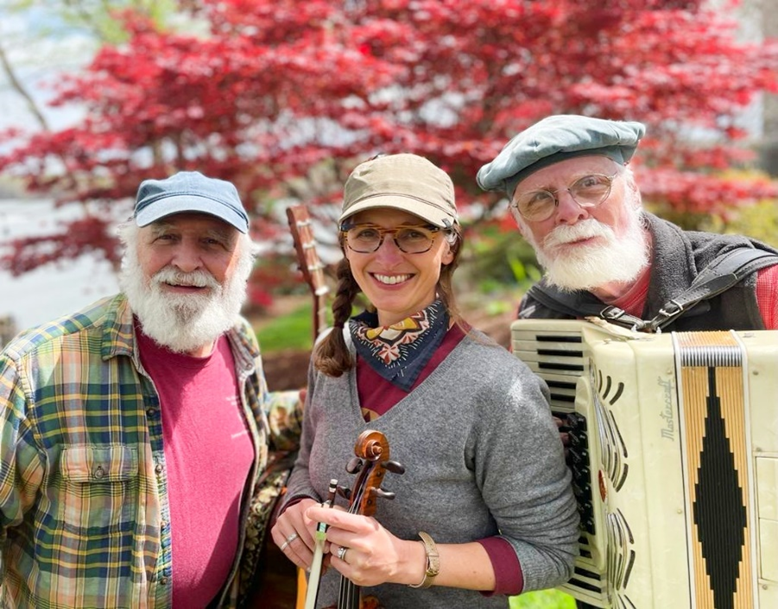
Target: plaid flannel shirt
point(84, 514)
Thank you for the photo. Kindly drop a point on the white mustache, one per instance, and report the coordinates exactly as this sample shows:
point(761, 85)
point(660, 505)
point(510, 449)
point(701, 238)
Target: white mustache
point(586, 229)
point(198, 279)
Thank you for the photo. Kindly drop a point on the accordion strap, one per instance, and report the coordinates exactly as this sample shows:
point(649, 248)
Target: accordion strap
point(724, 272)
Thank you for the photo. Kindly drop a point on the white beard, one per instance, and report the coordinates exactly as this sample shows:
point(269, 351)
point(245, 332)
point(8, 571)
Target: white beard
point(586, 267)
point(183, 322)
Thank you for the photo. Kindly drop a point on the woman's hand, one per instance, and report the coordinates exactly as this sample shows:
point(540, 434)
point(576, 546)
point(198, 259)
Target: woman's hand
point(372, 554)
point(293, 533)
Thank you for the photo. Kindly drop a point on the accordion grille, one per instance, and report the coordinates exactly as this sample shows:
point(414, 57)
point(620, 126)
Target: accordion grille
point(716, 467)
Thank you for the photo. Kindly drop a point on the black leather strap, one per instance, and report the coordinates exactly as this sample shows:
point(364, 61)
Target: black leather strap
point(721, 274)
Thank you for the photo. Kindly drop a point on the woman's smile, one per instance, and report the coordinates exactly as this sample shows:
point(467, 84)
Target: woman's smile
point(391, 279)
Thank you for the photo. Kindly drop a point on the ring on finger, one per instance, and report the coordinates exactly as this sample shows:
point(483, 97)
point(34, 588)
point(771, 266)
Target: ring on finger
point(289, 540)
point(342, 553)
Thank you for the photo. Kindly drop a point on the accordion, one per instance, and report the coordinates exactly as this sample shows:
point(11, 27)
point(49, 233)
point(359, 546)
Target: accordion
point(674, 454)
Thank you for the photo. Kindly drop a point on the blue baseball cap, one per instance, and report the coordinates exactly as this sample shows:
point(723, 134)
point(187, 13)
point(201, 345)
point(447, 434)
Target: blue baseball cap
point(558, 138)
point(190, 191)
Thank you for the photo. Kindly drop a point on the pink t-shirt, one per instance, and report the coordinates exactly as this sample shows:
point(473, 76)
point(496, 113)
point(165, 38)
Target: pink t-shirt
point(767, 296)
point(208, 456)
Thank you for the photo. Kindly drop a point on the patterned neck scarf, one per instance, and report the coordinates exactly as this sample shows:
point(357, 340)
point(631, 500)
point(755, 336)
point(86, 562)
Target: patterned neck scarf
point(399, 352)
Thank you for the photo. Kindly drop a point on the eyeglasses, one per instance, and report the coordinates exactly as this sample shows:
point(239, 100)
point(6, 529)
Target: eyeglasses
point(588, 191)
point(367, 238)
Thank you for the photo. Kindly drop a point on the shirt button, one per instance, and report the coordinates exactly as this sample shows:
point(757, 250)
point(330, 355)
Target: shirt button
point(158, 468)
point(163, 581)
point(99, 472)
point(151, 412)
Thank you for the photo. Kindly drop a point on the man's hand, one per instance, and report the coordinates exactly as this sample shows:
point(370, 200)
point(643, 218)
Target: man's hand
point(563, 433)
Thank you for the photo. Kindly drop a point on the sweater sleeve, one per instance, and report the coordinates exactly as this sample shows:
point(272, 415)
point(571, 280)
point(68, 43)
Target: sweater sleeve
point(520, 468)
point(299, 485)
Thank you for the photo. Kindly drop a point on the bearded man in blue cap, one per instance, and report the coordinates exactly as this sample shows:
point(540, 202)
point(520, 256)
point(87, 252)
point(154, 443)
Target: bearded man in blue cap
point(577, 202)
point(133, 433)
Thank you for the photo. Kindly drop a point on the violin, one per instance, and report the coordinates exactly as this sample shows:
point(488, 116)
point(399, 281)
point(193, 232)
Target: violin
point(371, 462)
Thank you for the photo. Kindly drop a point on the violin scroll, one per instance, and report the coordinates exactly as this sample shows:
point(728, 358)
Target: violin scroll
point(372, 462)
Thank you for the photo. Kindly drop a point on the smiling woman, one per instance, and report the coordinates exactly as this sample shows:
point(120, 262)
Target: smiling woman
point(452, 403)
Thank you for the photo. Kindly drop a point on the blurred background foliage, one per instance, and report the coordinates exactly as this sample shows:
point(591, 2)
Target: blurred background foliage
point(284, 97)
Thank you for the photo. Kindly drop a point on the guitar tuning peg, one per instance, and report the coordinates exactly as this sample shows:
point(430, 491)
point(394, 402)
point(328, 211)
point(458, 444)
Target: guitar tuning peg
point(354, 465)
point(381, 493)
point(394, 466)
point(344, 492)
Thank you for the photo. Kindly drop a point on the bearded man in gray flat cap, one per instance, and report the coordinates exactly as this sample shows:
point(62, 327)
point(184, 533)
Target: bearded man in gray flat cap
point(577, 202)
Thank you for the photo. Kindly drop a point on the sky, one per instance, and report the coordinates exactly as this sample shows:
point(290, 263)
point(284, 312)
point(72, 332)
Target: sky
point(38, 60)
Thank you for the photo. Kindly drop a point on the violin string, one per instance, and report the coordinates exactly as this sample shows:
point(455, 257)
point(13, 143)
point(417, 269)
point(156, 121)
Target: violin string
point(348, 592)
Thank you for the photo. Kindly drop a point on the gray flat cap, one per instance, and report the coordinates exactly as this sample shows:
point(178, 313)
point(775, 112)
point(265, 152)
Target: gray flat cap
point(557, 138)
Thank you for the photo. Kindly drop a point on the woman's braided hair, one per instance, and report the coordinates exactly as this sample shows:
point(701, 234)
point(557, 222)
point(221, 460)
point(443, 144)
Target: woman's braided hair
point(332, 356)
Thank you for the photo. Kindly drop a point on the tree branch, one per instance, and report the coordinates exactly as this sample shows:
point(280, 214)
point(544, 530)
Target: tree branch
point(19, 88)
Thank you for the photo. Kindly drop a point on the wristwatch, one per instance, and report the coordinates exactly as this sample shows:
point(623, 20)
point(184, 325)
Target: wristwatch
point(433, 561)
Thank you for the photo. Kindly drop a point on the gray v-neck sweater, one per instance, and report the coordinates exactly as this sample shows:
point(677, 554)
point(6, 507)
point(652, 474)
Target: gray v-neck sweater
point(482, 457)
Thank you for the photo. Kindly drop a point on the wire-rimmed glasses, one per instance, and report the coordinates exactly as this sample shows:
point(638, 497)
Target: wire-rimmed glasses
point(588, 191)
point(410, 239)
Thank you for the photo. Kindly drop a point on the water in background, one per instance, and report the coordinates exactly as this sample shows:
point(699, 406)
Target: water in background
point(55, 289)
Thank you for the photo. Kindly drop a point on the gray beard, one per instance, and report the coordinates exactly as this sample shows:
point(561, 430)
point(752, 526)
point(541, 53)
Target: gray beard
point(182, 322)
point(587, 267)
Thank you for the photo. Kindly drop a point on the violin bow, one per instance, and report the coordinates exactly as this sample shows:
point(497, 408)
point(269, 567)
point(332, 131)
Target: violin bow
point(312, 592)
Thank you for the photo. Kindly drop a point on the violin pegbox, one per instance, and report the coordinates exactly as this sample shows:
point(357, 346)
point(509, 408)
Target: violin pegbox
point(371, 462)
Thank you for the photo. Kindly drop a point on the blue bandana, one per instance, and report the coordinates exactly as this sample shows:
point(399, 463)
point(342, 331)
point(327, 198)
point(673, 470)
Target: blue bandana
point(401, 351)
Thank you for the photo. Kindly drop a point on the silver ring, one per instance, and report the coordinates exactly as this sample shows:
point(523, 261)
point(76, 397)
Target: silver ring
point(289, 540)
point(342, 553)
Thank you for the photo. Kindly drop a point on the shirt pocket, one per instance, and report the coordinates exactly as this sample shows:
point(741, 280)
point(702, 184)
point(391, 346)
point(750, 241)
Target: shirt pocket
point(101, 488)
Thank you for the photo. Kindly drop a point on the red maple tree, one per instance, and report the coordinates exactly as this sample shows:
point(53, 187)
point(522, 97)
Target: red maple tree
point(284, 97)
